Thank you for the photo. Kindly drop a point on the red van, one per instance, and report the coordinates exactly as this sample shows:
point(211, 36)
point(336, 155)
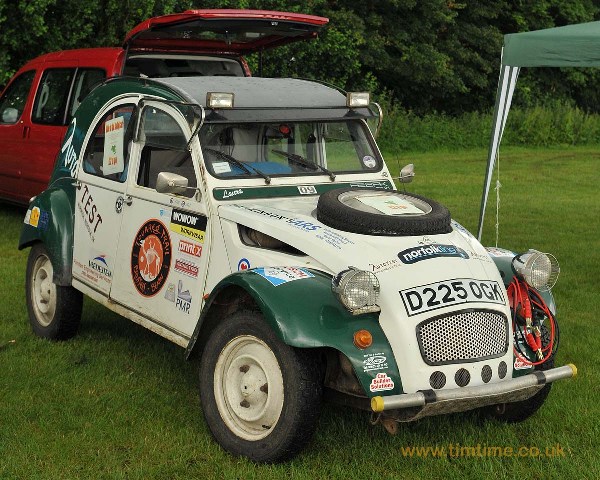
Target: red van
point(40, 100)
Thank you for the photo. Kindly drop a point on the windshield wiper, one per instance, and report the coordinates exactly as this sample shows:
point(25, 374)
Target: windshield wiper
point(300, 160)
point(234, 161)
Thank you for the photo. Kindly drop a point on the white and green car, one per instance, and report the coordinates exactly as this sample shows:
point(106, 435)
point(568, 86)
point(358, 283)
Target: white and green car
point(254, 223)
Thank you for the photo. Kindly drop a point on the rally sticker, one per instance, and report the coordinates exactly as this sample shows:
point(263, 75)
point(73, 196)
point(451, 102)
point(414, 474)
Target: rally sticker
point(151, 258)
point(186, 267)
point(280, 275)
point(243, 264)
point(113, 160)
point(188, 225)
point(521, 364)
point(390, 204)
point(451, 292)
point(374, 361)
point(381, 382)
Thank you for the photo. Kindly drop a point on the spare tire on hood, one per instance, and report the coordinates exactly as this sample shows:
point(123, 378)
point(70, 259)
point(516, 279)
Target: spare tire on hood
point(382, 212)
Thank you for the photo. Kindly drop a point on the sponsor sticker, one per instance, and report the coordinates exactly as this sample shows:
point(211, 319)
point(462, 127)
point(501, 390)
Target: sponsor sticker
point(307, 190)
point(232, 193)
point(374, 361)
point(184, 299)
point(186, 267)
point(389, 204)
point(70, 157)
point(113, 160)
point(221, 167)
point(170, 292)
point(381, 383)
point(369, 162)
point(383, 266)
point(499, 252)
point(188, 224)
point(451, 292)
point(151, 258)
point(89, 212)
point(32, 217)
point(520, 363)
point(280, 275)
point(425, 252)
point(334, 239)
point(99, 264)
point(457, 226)
point(190, 248)
point(243, 264)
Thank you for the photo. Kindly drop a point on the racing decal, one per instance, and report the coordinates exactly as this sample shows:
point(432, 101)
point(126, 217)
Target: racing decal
point(499, 252)
point(151, 258)
point(186, 267)
point(232, 193)
point(184, 299)
point(425, 252)
point(89, 212)
point(70, 157)
point(369, 162)
point(520, 364)
point(451, 292)
point(457, 226)
point(381, 185)
point(374, 361)
point(381, 383)
point(170, 292)
point(307, 190)
point(280, 275)
point(188, 224)
point(383, 266)
point(190, 248)
point(333, 238)
point(243, 264)
point(294, 222)
point(32, 217)
point(96, 270)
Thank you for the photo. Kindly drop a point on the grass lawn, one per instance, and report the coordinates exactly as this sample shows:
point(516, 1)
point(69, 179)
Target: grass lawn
point(120, 402)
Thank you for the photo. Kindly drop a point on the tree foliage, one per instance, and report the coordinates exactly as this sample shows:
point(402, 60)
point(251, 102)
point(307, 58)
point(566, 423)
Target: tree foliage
point(425, 55)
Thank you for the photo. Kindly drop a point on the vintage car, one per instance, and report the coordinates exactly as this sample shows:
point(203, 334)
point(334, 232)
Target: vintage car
point(40, 100)
point(253, 222)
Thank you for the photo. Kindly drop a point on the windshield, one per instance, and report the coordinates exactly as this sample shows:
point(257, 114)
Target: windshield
point(234, 150)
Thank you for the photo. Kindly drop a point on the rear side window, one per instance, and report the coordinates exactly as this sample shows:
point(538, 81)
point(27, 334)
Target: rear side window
point(85, 80)
point(13, 101)
point(52, 96)
point(108, 149)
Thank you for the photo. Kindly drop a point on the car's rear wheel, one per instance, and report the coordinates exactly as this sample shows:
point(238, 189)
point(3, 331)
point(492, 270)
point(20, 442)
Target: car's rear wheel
point(54, 310)
point(260, 397)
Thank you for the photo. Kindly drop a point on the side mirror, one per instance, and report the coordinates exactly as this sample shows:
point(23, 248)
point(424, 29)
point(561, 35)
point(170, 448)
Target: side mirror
point(375, 122)
point(407, 173)
point(167, 182)
point(10, 115)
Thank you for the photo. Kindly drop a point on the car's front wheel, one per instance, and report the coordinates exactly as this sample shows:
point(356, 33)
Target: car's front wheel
point(54, 310)
point(260, 397)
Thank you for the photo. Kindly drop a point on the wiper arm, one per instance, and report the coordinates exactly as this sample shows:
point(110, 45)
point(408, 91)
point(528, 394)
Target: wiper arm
point(300, 160)
point(228, 158)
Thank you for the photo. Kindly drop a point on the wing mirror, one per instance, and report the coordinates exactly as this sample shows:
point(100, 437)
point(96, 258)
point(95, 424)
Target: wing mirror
point(168, 182)
point(10, 115)
point(407, 173)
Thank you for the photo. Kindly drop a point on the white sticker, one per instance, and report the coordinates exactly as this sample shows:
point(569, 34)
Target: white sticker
point(389, 204)
point(369, 161)
point(374, 361)
point(499, 252)
point(521, 364)
point(221, 167)
point(381, 382)
point(307, 189)
point(113, 160)
point(280, 275)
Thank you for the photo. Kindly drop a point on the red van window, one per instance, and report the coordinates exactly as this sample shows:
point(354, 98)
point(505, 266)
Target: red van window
point(13, 101)
point(52, 96)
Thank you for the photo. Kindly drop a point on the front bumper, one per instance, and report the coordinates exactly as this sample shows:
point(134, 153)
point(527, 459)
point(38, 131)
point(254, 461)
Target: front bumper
point(460, 399)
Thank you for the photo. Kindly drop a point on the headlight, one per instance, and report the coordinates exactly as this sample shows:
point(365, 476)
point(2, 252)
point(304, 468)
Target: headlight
point(540, 270)
point(358, 290)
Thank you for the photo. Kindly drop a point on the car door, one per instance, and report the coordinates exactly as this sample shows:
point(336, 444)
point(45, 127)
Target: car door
point(164, 240)
point(101, 194)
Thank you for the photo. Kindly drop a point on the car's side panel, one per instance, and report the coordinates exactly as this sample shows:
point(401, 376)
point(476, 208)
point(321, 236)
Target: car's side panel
point(304, 313)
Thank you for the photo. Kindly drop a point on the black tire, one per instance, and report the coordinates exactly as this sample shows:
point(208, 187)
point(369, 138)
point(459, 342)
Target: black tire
point(517, 412)
point(263, 438)
point(54, 311)
point(339, 209)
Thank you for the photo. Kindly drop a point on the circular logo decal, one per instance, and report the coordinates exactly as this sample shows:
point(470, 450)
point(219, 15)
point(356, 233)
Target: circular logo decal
point(243, 264)
point(369, 161)
point(150, 258)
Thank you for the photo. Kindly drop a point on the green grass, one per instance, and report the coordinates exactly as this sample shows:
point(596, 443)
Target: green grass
point(119, 402)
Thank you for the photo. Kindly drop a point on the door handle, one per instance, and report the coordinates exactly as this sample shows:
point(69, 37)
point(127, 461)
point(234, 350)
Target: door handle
point(26, 131)
point(122, 201)
point(128, 200)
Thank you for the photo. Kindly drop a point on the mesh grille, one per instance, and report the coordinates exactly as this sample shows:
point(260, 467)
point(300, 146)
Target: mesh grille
point(437, 380)
point(463, 337)
point(502, 369)
point(462, 377)
point(486, 373)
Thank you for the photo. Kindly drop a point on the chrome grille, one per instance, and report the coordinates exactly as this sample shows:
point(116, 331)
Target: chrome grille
point(464, 336)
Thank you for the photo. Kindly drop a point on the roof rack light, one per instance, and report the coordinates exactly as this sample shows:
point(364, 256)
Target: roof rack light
point(358, 99)
point(219, 100)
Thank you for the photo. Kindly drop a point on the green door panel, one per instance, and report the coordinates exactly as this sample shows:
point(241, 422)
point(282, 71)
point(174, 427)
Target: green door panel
point(306, 314)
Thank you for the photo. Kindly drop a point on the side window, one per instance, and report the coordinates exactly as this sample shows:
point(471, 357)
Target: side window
point(165, 149)
point(107, 152)
point(13, 101)
point(85, 80)
point(52, 96)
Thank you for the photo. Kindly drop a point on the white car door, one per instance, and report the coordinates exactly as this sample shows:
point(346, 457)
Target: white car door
point(100, 194)
point(163, 245)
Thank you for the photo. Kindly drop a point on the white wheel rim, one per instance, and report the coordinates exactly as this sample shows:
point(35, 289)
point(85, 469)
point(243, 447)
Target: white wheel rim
point(248, 387)
point(43, 291)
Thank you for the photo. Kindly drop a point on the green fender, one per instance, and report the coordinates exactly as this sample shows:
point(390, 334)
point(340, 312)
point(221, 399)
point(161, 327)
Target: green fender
point(55, 228)
point(507, 272)
point(306, 314)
